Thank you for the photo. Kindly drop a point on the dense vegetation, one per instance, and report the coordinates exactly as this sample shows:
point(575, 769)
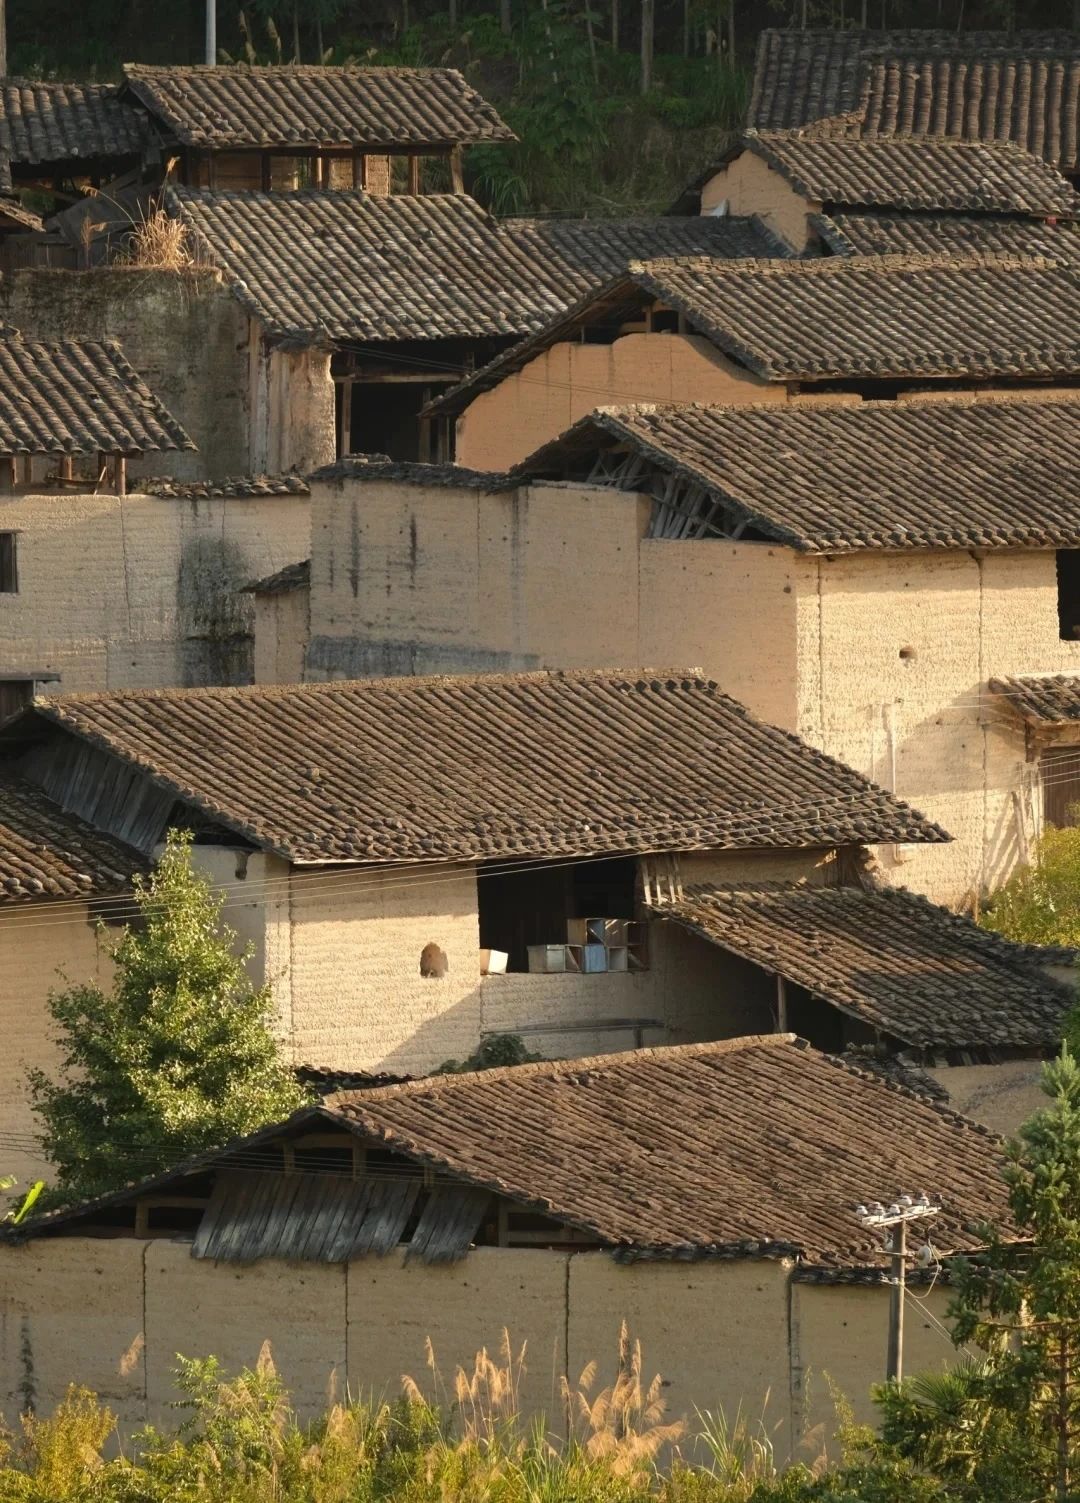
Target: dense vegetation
point(616, 102)
point(1040, 903)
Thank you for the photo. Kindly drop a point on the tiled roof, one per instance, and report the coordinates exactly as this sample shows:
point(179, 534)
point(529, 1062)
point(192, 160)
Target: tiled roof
point(775, 1143)
point(891, 959)
point(46, 853)
point(52, 122)
point(579, 253)
point(283, 582)
point(835, 317)
point(848, 234)
point(77, 397)
point(232, 488)
point(836, 479)
point(530, 764)
point(994, 178)
point(750, 1147)
point(378, 467)
point(352, 266)
point(305, 105)
point(988, 86)
point(883, 316)
point(1051, 700)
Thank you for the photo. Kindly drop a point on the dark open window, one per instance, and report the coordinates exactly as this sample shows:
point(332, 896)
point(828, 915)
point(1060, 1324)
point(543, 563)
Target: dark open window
point(9, 573)
point(533, 907)
point(1060, 770)
point(1068, 593)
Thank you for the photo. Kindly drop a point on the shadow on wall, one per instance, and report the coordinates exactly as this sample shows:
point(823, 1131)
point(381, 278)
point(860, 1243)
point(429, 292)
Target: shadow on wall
point(216, 621)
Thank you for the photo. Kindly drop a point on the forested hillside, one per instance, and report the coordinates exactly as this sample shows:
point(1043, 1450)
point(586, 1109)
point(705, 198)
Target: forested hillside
point(616, 101)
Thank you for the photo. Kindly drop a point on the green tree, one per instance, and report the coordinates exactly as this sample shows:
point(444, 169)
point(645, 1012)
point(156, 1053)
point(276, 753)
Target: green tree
point(178, 1057)
point(1008, 1427)
point(1040, 903)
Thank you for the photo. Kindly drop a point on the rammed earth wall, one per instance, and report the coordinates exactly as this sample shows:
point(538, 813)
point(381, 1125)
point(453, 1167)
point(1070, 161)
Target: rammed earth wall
point(113, 1313)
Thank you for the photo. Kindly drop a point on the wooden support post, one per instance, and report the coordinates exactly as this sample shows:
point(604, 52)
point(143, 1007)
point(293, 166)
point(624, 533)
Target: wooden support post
point(359, 171)
point(319, 172)
point(211, 170)
point(66, 469)
point(10, 472)
point(414, 174)
point(345, 424)
point(142, 1219)
point(781, 1005)
point(898, 1281)
point(120, 475)
point(28, 469)
point(457, 173)
point(267, 180)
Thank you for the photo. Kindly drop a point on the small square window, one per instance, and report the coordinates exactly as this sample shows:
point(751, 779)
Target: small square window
point(9, 573)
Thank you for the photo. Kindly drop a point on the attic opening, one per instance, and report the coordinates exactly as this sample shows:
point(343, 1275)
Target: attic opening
point(384, 418)
point(379, 393)
point(1068, 593)
point(537, 906)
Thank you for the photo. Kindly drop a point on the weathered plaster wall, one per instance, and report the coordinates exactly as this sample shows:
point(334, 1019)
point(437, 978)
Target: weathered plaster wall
point(137, 591)
point(1002, 1096)
point(40, 944)
point(408, 579)
point(198, 1308)
point(352, 989)
point(112, 1313)
point(72, 1311)
point(281, 637)
point(183, 332)
point(750, 186)
point(394, 1307)
point(357, 996)
point(895, 652)
point(717, 1332)
point(507, 423)
point(292, 408)
point(838, 1338)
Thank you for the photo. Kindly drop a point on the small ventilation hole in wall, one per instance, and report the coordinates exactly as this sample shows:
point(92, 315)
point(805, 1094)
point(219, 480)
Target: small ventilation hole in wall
point(433, 961)
point(908, 654)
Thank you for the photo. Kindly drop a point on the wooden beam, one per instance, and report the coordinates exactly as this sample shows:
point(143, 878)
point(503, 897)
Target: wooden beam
point(28, 469)
point(345, 424)
point(457, 172)
point(781, 1004)
point(359, 170)
point(120, 475)
point(65, 469)
point(414, 174)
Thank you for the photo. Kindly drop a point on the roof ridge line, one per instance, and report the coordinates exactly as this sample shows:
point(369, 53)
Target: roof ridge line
point(398, 683)
point(556, 1067)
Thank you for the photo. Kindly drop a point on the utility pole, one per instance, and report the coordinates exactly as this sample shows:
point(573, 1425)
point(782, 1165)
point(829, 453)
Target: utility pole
point(211, 32)
point(896, 1217)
